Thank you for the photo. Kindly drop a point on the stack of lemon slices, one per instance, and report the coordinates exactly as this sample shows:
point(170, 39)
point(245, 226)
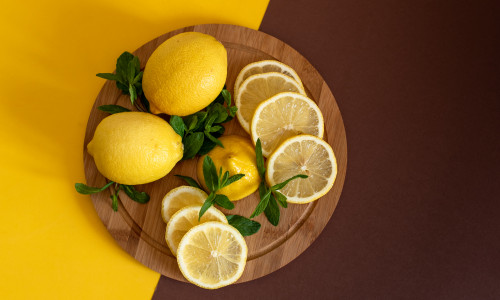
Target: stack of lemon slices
point(273, 107)
point(210, 252)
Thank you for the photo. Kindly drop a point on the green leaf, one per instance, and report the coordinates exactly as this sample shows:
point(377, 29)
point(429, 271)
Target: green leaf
point(178, 125)
point(137, 64)
point(123, 87)
point(206, 205)
point(109, 76)
point(133, 93)
point(211, 118)
point(210, 174)
point(122, 62)
point(224, 179)
point(207, 146)
point(135, 195)
point(221, 112)
point(193, 122)
point(233, 179)
point(114, 199)
point(131, 71)
point(279, 186)
point(87, 190)
point(272, 211)
point(264, 201)
point(137, 78)
point(190, 181)
point(227, 97)
point(214, 139)
point(245, 226)
point(192, 144)
point(232, 111)
point(260, 159)
point(112, 109)
point(223, 201)
point(215, 128)
point(280, 198)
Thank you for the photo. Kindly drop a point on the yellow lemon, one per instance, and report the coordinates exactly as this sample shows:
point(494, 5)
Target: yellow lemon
point(212, 255)
point(135, 147)
point(237, 157)
point(185, 74)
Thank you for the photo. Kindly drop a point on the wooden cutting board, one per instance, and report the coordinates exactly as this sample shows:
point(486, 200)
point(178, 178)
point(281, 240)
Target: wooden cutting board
point(139, 228)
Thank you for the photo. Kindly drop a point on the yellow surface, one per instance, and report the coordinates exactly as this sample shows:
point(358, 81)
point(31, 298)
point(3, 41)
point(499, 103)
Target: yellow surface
point(53, 245)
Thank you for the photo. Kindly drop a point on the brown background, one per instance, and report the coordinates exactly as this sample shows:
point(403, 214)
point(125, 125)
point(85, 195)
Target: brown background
point(417, 83)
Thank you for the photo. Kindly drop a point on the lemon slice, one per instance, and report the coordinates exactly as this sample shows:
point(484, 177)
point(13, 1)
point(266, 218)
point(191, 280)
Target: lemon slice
point(303, 154)
point(185, 219)
point(265, 66)
point(212, 255)
point(258, 88)
point(283, 116)
point(178, 198)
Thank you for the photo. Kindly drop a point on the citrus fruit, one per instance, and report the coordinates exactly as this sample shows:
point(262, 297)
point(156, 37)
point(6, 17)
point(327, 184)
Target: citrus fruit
point(283, 116)
point(237, 157)
point(180, 197)
point(185, 74)
point(212, 255)
point(258, 88)
point(265, 66)
point(135, 147)
point(303, 154)
point(185, 219)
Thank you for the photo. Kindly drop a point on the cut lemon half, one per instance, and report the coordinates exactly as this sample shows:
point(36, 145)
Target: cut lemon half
point(265, 66)
point(303, 154)
point(258, 88)
point(180, 197)
point(185, 219)
point(283, 116)
point(212, 255)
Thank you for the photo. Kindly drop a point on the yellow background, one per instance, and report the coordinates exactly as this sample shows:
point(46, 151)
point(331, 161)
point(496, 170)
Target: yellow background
point(52, 243)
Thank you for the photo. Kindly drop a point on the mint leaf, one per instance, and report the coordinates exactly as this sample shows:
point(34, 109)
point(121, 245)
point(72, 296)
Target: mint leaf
point(122, 62)
point(260, 159)
point(113, 109)
point(137, 64)
point(245, 226)
point(206, 205)
point(280, 198)
point(264, 201)
point(227, 97)
point(233, 179)
point(210, 174)
point(214, 139)
point(178, 125)
point(87, 190)
point(133, 93)
point(223, 201)
point(232, 111)
point(272, 211)
point(131, 71)
point(114, 199)
point(279, 186)
point(135, 195)
point(109, 76)
point(192, 144)
point(189, 181)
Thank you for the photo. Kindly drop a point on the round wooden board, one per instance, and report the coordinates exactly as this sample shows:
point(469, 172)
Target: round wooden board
point(139, 228)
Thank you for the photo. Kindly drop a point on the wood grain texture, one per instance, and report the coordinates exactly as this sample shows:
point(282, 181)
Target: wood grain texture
point(139, 228)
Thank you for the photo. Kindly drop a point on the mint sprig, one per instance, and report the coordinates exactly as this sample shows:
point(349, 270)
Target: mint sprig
point(128, 79)
point(270, 197)
point(141, 197)
point(201, 130)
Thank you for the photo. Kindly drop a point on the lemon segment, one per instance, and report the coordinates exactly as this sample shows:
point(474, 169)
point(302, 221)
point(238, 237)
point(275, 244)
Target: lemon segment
point(303, 154)
point(258, 88)
point(186, 218)
point(212, 255)
point(265, 66)
point(135, 148)
point(180, 197)
point(185, 74)
point(283, 116)
point(237, 157)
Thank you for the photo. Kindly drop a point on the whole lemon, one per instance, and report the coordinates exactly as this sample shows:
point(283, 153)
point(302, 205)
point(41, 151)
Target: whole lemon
point(135, 147)
point(237, 157)
point(185, 74)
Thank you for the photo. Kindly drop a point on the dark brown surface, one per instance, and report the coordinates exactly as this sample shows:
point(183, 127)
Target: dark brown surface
point(417, 83)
